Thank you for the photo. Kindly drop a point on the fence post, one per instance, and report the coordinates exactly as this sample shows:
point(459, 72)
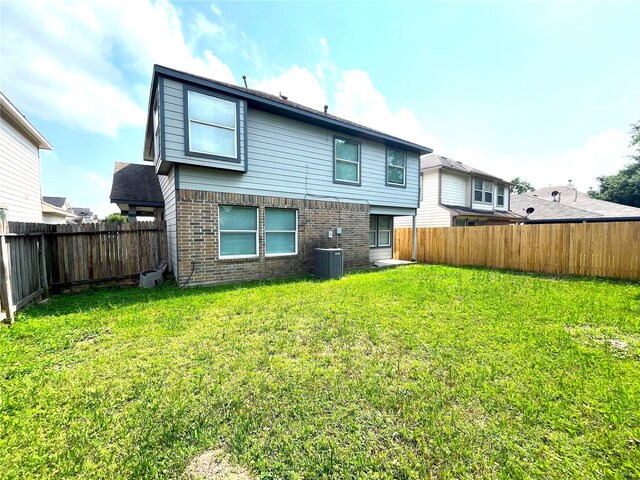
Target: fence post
point(44, 283)
point(6, 295)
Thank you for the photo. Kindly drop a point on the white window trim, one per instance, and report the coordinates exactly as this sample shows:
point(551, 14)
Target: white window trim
point(404, 169)
point(220, 231)
point(336, 159)
point(484, 190)
point(224, 127)
point(504, 203)
point(280, 231)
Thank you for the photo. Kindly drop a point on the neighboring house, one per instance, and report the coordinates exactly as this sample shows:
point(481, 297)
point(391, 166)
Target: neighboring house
point(56, 210)
point(136, 190)
point(83, 215)
point(252, 183)
point(455, 195)
point(20, 184)
point(567, 205)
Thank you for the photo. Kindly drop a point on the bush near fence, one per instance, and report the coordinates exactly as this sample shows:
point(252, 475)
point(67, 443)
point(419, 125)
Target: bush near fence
point(607, 249)
point(36, 257)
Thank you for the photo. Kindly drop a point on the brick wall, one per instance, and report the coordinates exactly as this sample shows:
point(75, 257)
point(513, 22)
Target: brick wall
point(197, 232)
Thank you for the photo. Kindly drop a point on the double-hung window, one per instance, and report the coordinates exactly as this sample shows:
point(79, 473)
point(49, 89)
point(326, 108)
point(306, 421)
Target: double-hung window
point(212, 124)
point(238, 231)
point(380, 231)
point(500, 196)
point(281, 231)
point(482, 191)
point(346, 167)
point(396, 167)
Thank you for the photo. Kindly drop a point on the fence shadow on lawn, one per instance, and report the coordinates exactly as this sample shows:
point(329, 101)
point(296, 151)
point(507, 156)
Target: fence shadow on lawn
point(113, 298)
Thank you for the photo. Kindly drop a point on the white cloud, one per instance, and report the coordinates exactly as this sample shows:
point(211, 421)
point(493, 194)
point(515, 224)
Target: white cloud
point(602, 154)
point(298, 84)
point(58, 58)
point(357, 99)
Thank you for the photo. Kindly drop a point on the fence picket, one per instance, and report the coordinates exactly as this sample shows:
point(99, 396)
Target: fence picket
point(38, 256)
point(608, 249)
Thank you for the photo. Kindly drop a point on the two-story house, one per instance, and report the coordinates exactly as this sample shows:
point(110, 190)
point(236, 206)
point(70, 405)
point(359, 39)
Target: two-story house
point(20, 185)
point(252, 182)
point(456, 195)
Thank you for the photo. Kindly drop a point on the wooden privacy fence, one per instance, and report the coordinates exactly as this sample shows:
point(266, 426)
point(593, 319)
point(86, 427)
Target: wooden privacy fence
point(36, 257)
point(589, 249)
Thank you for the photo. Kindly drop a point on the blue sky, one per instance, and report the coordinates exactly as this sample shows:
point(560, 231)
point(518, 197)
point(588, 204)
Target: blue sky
point(541, 90)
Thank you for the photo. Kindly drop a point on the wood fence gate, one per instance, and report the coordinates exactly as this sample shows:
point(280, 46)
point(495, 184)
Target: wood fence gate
point(36, 258)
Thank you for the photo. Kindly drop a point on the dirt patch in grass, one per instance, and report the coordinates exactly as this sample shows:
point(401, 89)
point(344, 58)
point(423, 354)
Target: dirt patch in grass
point(215, 465)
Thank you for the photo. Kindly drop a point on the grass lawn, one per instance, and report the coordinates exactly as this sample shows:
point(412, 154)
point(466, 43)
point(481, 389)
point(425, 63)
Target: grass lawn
point(416, 372)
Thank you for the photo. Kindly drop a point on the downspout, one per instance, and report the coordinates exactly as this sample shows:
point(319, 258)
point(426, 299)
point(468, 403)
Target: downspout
point(413, 238)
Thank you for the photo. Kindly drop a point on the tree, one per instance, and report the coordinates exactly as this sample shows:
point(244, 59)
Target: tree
point(116, 217)
point(624, 186)
point(520, 185)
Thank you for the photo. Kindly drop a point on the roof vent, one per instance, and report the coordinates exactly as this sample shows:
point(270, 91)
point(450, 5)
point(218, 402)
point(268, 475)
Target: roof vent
point(556, 195)
point(326, 107)
point(283, 97)
point(244, 77)
point(530, 210)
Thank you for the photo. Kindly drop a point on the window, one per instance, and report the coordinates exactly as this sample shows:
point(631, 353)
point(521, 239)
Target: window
point(346, 161)
point(500, 196)
point(396, 167)
point(212, 125)
point(380, 231)
point(477, 190)
point(3, 214)
point(281, 231)
point(482, 191)
point(373, 231)
point(238, 231)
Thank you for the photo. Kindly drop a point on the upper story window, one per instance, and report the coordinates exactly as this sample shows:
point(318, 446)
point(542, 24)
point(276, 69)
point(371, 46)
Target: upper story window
point(212, 124)
point(238, 230)
point(346, 168)
point(500, 196)
point(482, 191)
point(396, 167)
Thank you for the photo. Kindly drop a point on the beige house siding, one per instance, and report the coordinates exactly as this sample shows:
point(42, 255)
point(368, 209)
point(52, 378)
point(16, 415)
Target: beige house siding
point(20, 188)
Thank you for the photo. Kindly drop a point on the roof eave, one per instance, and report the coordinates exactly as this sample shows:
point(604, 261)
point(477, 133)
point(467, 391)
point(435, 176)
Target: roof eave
point(290, 111)
point(15, 114)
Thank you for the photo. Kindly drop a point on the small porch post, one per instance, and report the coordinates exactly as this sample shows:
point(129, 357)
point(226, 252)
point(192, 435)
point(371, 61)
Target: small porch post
point(132, 213)
point(413, 238)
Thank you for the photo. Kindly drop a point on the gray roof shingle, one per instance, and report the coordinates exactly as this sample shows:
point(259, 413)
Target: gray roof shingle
point(433, 160)
point(55, 201)
point(569, 204)
point(133, 183)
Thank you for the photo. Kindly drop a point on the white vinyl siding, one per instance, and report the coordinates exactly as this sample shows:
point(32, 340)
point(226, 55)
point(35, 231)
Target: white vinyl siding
point(454, 189)
point(430, 214)
point(20, 187)
point(292, 159)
